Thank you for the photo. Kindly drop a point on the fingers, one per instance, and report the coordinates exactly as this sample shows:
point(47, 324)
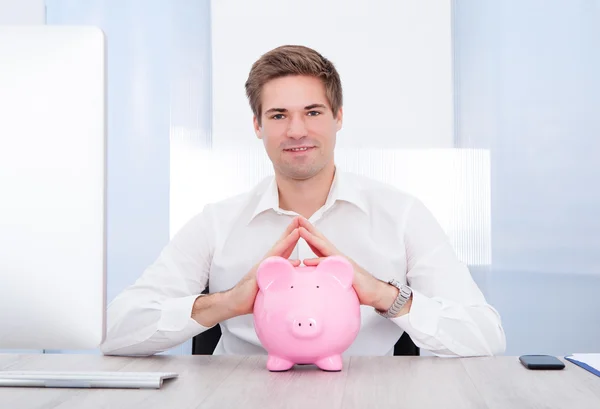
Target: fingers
point(293, 225)
point(300, 227)
point(308, 226)
point(315, 250)
point(313, 261)
point(285, 245)
point(318, 245)
point(289, 241)
point(286, 253)
point(295, 263)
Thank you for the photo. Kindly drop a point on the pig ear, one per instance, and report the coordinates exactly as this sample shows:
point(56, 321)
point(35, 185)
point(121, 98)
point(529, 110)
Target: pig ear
point(339, 268)
point(274, 270)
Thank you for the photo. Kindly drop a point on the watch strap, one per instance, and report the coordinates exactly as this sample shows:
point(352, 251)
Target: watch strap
point(404, 294)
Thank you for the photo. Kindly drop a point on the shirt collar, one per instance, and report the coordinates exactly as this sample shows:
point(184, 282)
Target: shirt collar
point(342, 189)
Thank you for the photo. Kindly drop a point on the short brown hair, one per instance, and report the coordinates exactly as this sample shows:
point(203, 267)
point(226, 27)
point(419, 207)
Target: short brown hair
point(292, 60)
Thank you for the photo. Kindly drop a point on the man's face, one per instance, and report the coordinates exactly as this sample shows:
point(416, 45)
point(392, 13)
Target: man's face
point(297, 126)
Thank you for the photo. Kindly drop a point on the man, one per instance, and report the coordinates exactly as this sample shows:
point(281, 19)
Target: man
point(407, 276)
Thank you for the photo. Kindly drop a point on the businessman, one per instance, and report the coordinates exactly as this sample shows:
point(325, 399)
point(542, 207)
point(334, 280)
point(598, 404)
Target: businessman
point(407, 276)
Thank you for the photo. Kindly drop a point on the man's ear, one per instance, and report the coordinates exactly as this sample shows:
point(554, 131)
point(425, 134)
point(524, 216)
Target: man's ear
point(256, 127)
point(339, 119)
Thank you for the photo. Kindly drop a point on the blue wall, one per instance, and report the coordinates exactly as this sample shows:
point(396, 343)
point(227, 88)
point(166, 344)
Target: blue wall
point(148, 93)
point(528, 89)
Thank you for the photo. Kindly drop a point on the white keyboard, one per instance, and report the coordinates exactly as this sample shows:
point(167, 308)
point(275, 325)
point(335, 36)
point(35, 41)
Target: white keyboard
point(73, 379)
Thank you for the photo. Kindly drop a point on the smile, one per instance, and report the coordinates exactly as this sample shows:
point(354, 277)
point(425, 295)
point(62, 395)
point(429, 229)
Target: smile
point(300, 149)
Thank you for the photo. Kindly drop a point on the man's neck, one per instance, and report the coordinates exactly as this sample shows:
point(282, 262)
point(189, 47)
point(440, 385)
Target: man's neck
point(305, 197)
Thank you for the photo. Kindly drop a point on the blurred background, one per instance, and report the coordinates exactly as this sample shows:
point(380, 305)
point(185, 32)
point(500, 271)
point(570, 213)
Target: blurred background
point(486, 110)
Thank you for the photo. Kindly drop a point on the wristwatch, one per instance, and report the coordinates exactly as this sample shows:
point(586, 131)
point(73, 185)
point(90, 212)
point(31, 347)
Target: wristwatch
point(403, 296)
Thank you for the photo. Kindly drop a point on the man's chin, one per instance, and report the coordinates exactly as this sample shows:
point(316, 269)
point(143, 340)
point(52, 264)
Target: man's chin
point(300, 173)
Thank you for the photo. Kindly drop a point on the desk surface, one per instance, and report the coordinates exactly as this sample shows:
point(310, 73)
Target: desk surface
point(365, 382)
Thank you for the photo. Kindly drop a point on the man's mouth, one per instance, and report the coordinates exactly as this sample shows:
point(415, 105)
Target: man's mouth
point(299, 149)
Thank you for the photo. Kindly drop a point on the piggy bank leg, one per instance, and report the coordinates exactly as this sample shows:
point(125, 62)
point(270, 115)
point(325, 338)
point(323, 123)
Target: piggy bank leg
point(276, 364)
point(331, 363)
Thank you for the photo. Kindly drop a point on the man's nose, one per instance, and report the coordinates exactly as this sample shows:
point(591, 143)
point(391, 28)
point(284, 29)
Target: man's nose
point(297, 127)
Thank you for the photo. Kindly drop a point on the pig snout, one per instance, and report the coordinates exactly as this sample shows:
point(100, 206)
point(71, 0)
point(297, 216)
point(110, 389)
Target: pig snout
point(306, 327)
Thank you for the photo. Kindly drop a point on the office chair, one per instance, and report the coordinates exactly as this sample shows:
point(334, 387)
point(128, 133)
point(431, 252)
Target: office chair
point(206, 342)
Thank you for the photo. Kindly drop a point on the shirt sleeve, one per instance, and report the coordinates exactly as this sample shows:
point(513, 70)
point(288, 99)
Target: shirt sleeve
point(154, 314)
point(449, 315)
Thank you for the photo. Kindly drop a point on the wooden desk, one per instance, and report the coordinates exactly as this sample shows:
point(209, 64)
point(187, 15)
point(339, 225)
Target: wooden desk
point(366, 382)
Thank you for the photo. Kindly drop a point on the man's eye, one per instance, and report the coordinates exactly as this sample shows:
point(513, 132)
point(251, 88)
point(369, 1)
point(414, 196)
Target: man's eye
point(314, 113)
point(277, 116)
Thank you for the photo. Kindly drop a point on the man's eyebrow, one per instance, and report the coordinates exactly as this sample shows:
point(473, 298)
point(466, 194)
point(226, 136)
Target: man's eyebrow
point(307, 108)
point(280, 110)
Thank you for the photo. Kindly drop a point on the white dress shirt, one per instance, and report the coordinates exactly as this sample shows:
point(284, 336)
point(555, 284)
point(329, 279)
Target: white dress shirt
point(386, 231)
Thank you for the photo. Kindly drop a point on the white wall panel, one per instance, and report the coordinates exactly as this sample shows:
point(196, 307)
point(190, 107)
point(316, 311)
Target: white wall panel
point(394, 58)
point(453, 183)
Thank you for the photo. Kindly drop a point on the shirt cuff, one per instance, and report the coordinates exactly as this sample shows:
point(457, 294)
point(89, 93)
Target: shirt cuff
point(423, 317)
point(176, 316)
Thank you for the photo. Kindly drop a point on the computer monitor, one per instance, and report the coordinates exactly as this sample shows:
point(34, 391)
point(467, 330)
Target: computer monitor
point(52, 187)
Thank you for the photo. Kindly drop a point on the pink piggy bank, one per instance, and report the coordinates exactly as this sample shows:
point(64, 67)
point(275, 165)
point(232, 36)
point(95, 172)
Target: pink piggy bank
point(306, 315)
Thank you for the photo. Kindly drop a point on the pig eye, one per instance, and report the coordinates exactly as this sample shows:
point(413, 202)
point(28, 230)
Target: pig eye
point(292, 287)
point(317, 286)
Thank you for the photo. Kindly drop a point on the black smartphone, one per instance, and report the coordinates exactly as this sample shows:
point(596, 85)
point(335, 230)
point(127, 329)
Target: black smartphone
point(541, 362)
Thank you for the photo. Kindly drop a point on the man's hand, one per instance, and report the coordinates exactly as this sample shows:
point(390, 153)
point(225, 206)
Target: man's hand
point(239, 300)
point(371, 291)
point(244, 293)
